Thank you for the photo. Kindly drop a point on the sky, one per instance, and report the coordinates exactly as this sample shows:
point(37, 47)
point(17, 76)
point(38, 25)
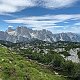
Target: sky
point(56, 16)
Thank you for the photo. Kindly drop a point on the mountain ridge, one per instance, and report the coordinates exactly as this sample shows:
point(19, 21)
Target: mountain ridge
point(22, 34)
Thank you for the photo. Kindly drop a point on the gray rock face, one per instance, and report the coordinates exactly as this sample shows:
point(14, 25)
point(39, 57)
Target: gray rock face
point(3, 35)
point(73, 37)
point(74, 56)
point(21, 34)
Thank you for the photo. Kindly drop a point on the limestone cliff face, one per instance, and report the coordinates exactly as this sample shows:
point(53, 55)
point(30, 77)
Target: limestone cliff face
point(73, 54)
point(21, 34)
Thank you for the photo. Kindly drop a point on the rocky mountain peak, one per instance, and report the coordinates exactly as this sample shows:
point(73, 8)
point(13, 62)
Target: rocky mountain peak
point(23, 34)
point(10, 29)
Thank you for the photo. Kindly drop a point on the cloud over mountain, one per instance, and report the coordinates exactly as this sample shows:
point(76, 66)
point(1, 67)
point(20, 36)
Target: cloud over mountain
point(62, 21)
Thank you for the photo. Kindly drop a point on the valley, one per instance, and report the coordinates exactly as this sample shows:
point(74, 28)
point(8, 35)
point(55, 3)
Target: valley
point(42, 60)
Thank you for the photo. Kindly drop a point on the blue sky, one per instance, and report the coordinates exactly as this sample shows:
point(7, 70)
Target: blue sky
point(54, 15)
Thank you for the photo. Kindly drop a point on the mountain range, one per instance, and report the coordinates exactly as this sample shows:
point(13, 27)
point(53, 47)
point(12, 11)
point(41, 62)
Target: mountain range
point(21, 34)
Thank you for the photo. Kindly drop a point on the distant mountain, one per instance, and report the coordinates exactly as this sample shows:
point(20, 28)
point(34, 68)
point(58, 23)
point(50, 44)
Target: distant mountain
point(73, 37)
point(21, 34)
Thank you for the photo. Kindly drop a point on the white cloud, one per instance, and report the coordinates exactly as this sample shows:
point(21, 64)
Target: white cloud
point(45, 22)
point(77, 24)
point(10, 6)
point(10, 26)
point(39, 22)
point(65, 29)
point(73, 29)
point(57, 3)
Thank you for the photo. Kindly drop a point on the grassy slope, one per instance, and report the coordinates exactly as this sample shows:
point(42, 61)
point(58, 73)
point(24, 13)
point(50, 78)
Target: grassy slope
point(15, 67)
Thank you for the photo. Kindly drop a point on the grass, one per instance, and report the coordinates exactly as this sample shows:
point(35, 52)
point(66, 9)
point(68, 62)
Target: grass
point(15, 67)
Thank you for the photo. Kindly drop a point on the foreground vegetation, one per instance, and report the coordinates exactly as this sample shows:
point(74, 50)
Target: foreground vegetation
point(28, 61)
point(15, 67)
point(55, 62)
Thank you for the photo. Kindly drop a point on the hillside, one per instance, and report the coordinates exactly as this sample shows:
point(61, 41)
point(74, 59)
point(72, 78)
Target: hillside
point(15, 67)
